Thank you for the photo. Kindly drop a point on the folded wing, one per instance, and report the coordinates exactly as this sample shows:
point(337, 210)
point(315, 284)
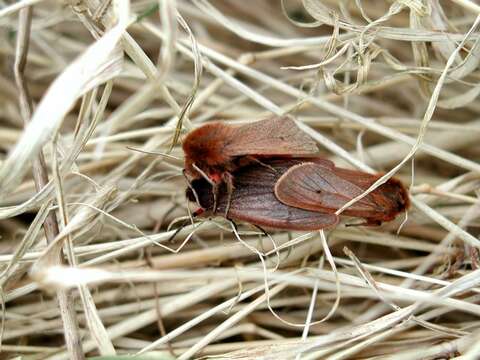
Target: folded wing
point(319, 188)
point(273, 136)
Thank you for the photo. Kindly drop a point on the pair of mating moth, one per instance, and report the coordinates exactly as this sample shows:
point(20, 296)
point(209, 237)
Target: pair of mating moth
point(268, 173)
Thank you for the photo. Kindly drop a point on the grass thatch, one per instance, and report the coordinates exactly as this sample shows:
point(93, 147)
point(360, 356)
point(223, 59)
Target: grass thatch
point(85, 243)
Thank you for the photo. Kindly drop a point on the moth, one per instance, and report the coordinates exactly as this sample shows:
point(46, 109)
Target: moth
point(313, 187)
point(300, 194)
point(253, 199)
point(216, 150)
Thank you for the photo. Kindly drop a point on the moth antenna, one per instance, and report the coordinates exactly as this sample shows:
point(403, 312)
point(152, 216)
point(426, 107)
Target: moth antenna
point(214, 186)
point(205, 176)
point(254, 159)
point(154, 153)
point(195, 195)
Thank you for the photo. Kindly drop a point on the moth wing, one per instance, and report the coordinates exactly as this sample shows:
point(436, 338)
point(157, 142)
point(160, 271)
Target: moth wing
point(253, 200)
point(361, 179)
point(267, 211)
point(314, 187)
point(272, 136)
point(390, 195)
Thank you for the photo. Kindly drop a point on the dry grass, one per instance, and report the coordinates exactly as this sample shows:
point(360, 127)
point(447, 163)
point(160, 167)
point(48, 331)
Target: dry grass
point(382, 86)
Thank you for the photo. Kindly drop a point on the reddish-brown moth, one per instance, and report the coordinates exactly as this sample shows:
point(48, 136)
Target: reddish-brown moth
point(314, 187)
point(253, 200)
point(215, 150)
point(300, 194)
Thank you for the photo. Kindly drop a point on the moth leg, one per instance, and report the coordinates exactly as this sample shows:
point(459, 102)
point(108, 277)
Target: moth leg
point(215, 190)
point(367, 222)
point(261, 229)
point(264, 234)
point(170, 239)
point(228, 178)
point(186, 222)
point(234, 224)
